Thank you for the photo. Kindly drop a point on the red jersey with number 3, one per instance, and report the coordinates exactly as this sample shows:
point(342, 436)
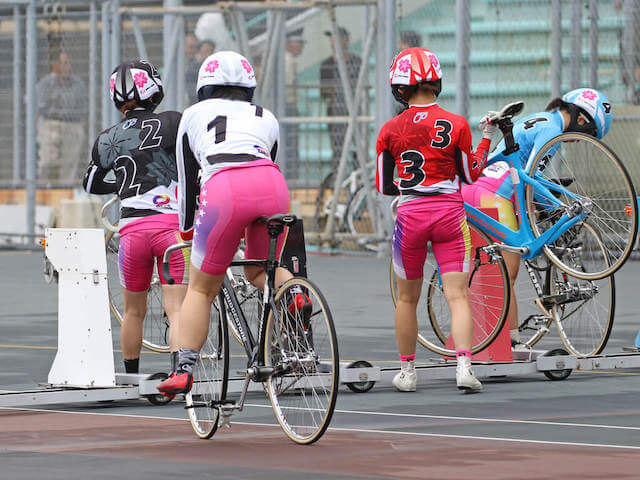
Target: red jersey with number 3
point(431, 150)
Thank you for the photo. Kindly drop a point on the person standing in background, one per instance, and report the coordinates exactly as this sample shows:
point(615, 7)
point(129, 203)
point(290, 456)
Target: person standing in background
point(293, 49)
point(332, 92)
point(62, 109)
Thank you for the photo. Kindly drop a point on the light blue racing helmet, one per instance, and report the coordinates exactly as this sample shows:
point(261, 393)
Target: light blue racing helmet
point(595, 105)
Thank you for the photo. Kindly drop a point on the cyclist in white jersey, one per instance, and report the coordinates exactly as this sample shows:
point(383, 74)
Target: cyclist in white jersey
point(225, 150)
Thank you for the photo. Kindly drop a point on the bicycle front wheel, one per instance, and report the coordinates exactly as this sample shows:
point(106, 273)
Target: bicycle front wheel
point(300, 345)
point(210, 377)
point(155, 328)
point(488, 297)
point(249, 299)
point(583, 309)
point(596, 182)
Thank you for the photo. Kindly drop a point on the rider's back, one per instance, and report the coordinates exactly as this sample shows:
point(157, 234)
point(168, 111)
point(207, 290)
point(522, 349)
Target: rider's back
point(141, 152)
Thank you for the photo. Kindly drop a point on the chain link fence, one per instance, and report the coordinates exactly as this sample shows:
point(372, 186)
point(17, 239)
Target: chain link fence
point(322, 69)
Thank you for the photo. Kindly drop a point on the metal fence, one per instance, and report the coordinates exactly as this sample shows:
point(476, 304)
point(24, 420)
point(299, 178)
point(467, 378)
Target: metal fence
point(322, 69)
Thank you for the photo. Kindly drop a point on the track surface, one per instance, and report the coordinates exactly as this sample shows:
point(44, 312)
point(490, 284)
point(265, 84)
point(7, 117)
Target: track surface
point(520, 427)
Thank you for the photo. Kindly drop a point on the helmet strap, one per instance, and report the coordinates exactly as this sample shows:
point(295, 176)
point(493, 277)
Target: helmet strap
point(574, 126)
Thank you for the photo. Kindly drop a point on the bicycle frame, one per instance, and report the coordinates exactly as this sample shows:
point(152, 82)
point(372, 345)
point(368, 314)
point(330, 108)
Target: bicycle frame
point(523, 238)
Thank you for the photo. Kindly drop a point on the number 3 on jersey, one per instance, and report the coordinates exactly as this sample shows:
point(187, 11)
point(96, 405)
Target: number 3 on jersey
point(413, 162)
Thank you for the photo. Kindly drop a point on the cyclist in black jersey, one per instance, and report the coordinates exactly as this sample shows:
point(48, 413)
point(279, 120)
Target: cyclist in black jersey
point(140, 151)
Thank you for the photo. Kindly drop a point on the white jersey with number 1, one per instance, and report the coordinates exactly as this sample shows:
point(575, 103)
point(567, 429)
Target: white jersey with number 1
point(216, 134)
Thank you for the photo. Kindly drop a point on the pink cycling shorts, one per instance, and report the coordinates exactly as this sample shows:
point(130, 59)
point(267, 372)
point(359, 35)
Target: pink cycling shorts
point(440, 220)
point(144, 241)
point(482, 194)
point(230, 203)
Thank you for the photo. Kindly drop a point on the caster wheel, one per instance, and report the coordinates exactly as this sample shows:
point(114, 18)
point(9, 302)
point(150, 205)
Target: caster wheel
point(365, 385)
point(556, 375)
point(158, 399)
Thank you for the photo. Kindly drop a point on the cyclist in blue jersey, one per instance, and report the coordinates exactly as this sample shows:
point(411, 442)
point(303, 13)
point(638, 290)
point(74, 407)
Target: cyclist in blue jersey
point(583, 110)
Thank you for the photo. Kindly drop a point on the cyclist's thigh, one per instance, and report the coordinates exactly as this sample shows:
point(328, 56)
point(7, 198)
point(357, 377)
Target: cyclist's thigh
point(135, 260)
point(272, 194)
point(410, 237)
point(179, 259)
point(451, 240)
point(219, 223)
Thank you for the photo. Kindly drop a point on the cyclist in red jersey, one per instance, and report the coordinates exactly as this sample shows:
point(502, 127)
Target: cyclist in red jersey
point(431, 150)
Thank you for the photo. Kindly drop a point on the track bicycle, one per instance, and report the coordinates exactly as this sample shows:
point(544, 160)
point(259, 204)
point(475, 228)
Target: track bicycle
point(574, 230)
point(295, 353)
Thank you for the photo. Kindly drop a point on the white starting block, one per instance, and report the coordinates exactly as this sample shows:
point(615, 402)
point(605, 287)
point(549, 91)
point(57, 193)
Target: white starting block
point(83, 369)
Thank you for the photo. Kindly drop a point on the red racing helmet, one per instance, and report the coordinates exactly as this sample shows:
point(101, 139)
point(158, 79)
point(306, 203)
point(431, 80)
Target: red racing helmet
point(412, 67)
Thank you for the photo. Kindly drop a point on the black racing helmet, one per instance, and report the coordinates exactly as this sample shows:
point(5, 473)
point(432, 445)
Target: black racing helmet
point(136, 80)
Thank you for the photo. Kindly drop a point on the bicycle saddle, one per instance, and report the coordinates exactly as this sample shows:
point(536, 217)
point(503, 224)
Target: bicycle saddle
point(287, 219)
point(507, 112)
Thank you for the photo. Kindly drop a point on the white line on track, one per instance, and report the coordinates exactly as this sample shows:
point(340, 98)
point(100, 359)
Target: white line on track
point(357, 430)
point(472, 419)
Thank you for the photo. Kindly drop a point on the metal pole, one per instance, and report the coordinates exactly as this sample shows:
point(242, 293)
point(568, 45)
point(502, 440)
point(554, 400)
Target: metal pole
point(593, 44)
point(385, 50)
point(463, 48)
point(180, 67)
point(115, 46)
point(630, 13)
point(556, 48)
point(106, 61)
point(93, 70)
point(30, 127)
point(576, 43)
point(17, 94)
point(168, 44)
point(137, 33)
point(279, 94)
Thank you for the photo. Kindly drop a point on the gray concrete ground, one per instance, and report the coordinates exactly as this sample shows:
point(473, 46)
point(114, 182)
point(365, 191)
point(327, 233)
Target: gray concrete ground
point(597, 409)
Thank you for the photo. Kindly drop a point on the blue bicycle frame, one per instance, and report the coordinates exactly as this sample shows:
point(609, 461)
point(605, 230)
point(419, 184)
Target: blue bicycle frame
point(524, 237)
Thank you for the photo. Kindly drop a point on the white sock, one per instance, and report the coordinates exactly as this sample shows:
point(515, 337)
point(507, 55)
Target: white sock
point(515, 335)
point(409, 366)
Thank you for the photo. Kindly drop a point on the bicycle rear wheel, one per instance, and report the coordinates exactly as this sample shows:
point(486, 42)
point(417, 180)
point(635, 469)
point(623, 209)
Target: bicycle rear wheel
point(583, 309)
point(302, 348)
point(488, 298)
point(593, 172)
point(210, 377)
point(155, 328)
point(534, 315)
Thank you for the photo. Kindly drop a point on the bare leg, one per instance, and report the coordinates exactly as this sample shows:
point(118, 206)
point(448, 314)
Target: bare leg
point(135, 308)
point(512, 260)
point(456, 293)
point(406, 317)
point(257, 276)
point(196, 308)
point(173, 295)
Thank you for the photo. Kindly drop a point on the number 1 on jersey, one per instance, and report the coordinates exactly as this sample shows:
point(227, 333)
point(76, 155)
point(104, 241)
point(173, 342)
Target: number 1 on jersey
point(219, 124)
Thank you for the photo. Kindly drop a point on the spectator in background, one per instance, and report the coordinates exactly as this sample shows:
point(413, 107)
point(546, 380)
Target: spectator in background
point(201, 50)
point(332, 92)
point(408, 39)
point(293, 49)
point(62, 110)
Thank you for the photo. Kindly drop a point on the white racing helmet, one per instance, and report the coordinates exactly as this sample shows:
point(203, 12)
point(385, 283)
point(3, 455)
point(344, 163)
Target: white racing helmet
point(225, 69)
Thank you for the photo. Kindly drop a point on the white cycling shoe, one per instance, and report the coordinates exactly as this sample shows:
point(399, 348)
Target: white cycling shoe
point(405, 381)
point(464, 376)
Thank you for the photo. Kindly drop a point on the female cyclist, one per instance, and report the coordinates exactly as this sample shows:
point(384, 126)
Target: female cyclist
point(431, 149)
point(229, 145)
point(140, 150)
point(583, 110)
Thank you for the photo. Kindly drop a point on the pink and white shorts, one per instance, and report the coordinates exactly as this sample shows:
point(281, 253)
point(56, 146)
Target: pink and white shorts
point(440, 220)
point(144, 241)
point(230, 203)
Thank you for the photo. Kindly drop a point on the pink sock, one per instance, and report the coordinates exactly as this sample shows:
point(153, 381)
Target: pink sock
point(463, 353)
point(408, 358)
